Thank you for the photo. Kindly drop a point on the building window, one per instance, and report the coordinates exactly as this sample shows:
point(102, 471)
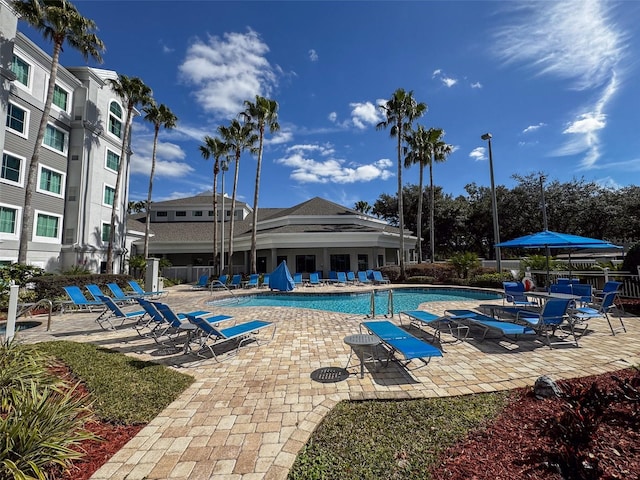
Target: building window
point(8, 221)
point(340, 263)
point(363, 262)
point(115, 119)
point(305, 263)
point(113, 160)
point(60, 98)
point(197, 213)
point(181, 213)
point(11, 169)
point(21, 70)
point(106, 232)
point(280, 259)
point(55, 138)
point(109, 195)
point(210, 213)
point(47, 227)
point(17, 119)
point(161, 214)
point(51, 181)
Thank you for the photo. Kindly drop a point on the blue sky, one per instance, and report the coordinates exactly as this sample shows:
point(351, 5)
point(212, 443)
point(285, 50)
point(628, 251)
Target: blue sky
point(554, 82)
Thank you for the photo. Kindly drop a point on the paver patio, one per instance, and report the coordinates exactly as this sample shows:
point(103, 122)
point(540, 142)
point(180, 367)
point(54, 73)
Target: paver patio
point(248, 416)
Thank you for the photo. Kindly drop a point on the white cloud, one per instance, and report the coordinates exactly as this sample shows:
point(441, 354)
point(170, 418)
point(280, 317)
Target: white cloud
point(332, 117)
point(330, 170)
point(476, 85)
point(478, 154)
point(573, 40)
point(169, 158)
point(446, 80)
point(313, 55)
point(364, 114)
point(226, 71)
point(166, 48)
point(533, 128)
point(435, 73)
point(280, 137)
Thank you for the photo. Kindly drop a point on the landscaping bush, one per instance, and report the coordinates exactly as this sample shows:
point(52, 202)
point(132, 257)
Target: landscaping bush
point(465, 263)
point(50, 286)
point(632, 259)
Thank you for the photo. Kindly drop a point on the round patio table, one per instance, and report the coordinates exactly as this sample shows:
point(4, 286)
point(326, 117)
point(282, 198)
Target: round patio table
point(363, 345)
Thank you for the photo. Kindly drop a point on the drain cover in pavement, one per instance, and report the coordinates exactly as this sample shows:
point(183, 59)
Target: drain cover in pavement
point(329, 375)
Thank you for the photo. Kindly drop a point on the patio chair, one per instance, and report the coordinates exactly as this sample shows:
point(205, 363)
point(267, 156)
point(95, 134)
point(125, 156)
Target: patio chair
point(514, 293)
point(378, 279)
point(552, 318)
point(351, 278)
point(584, 291)
point(253, 281)
point(221, 282)
point(79, 300)
point(157, 324)
point(362, 278)
point(421, 318)
point(265, 280)
point(211, 336)
point(314, 280)
point(567, 281)
point(135, 286)
point(341, 279)
point(113, 311)
point(488, 324)
point(175, 321)
point(297, 279)
point(610, 286)
point(203, 282)
point(561, 288)
point(395, 339)
point(600, 310)
point(119, 295)
point(236, 281)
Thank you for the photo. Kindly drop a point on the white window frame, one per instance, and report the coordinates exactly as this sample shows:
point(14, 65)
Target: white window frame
point(65, 110)
point(29, 62)
point(23, 162)
point(37, 238)
point(65, 146)
point(106, 158)
point(62, 182)
point(104, 189)
point(16, 235)
point(121, 120)
point(27, 120)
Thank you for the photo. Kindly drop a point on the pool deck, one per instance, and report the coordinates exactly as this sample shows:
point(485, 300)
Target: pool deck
point(247, 417)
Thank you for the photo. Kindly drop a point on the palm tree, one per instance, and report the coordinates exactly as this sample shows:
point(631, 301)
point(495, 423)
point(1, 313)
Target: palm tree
point(216, 148)
point(424, 148)
point(133, 92)
point(160, 116)
point(238, 137)
point(400, 112)
point(58, 22)
point(259, 115)
point(362, 206)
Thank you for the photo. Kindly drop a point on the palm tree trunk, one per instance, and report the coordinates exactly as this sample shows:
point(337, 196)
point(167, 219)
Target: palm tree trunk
point(254, 229)
point(116, 195)
point(432, 208)
point(403, 272)
point(26, 229)
point(419, 227)
point(153, 169)
point(233, 209)
point(216, 262)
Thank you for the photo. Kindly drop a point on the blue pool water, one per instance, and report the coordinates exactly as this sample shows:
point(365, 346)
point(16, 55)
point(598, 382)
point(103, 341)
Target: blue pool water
point(357, 303)
point(22, 325)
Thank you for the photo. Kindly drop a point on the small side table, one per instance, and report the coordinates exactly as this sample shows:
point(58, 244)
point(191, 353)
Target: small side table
point(363, 345)
point(190, 328)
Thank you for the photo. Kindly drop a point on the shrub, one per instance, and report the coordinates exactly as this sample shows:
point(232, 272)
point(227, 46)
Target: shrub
point(490, 280)
point(51, 286)
point(632, 259)
point(465, 263)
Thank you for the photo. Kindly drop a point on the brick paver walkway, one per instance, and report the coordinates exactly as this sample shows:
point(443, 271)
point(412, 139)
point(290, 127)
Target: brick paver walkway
point(248, 416)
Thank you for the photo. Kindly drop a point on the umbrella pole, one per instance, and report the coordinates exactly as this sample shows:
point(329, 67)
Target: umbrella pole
point(548, 252)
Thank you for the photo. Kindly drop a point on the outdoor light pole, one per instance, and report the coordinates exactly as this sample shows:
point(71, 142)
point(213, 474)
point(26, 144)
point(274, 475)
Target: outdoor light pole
point(494, 205)
point(224, 166)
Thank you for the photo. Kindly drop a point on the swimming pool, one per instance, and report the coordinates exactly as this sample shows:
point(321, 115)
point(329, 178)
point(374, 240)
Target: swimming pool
point(358, 303)
point(21, 325)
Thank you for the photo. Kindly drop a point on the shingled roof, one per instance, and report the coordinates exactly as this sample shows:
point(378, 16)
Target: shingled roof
point(204, 198)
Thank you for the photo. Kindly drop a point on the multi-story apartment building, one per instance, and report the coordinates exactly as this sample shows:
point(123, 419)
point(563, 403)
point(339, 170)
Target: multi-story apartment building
point(78, 163)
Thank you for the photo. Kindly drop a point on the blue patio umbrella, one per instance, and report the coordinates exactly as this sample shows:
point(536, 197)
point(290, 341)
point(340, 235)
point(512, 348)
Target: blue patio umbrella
point(547, 239)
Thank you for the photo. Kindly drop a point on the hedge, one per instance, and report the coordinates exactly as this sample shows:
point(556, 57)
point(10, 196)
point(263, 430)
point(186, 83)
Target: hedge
point(50, 286)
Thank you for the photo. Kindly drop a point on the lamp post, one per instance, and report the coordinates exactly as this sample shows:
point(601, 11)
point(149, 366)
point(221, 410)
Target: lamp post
point(494, 205)
point(224, 166)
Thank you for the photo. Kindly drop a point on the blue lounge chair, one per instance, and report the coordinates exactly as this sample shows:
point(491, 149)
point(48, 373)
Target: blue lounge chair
point(113, 311)
point(600, 310)
point(351, 278)
point(297, 279)
point(265, 280)
point(221, 283)
point(341, 279)
point(395, 339)
point(203, 282)
point(119, 295)
point(362, 278)
point(487, 324)
point(552, 318)
point(94, 291)
point(378, 279)
point(211, 336)
point(236, 281)
point(79, 300)
point(138, 290)
point(158, 324)
point(314, 280)
point(420, 318)
point(253, 281)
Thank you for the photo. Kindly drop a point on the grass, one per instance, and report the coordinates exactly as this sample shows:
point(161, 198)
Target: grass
point(390, 439)
point(124, 390)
